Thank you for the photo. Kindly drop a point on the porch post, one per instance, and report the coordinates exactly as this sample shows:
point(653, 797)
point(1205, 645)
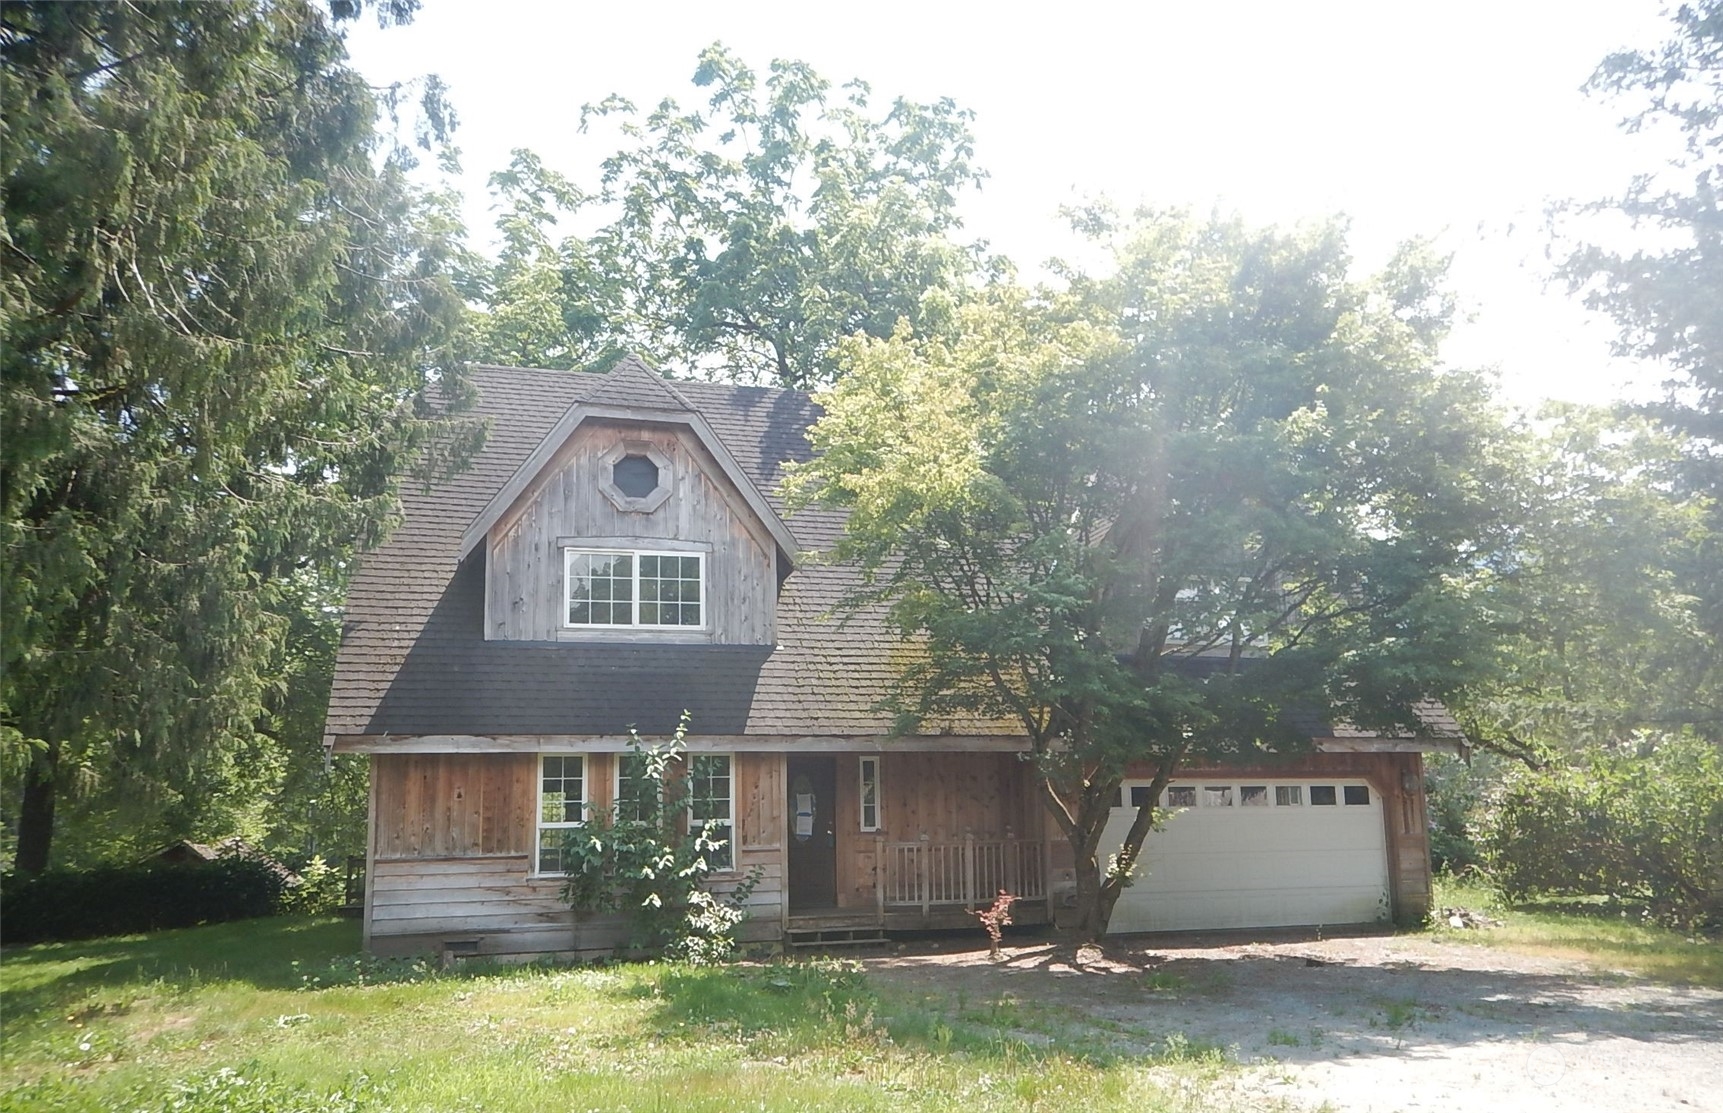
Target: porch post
point(921, 873)
point(968, 867)
point(1013, 884)
point(879, 865)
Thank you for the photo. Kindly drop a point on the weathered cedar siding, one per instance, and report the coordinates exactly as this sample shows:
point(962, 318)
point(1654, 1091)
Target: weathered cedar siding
point(944, 796)
point(524, 598)
point(453, 805)
point(452, 843)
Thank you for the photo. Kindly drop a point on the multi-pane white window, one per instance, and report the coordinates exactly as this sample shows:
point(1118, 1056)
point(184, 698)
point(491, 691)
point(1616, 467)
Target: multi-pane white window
point(610, 588)
point(634, 790)
point(712, 804)
point(870, 794)
point(561, 805)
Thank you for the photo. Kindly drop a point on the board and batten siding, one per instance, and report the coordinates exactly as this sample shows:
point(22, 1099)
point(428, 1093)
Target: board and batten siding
point(524, 596)
point(451, 857)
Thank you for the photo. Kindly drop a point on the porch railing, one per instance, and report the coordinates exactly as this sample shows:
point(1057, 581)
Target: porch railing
point(967, 872)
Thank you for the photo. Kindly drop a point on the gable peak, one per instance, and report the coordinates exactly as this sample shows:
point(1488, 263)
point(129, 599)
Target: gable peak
point(634, 383)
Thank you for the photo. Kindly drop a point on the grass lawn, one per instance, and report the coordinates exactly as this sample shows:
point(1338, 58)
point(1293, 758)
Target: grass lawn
point(281, 1015)
point(1599, 934)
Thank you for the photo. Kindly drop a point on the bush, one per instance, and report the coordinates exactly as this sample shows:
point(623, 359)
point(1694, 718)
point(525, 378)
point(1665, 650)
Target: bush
point(1646, 826)
point(322, 888)
point(649, 867)
point(121, 900)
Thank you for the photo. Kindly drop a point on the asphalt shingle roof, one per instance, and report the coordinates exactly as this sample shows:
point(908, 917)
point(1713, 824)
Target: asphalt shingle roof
point(413, 659)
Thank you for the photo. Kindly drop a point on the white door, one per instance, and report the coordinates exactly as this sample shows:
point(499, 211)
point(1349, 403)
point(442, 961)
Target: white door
point(1255, 853)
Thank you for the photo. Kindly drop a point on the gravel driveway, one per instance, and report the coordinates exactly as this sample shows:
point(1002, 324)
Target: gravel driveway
point(1372, 1024)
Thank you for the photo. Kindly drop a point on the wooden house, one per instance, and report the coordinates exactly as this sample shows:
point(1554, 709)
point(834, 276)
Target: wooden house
point(617, 554)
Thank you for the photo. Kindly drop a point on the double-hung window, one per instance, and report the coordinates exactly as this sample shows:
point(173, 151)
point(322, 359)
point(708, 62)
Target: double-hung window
point(712, 805)
point(561, 805)
point(640, 588)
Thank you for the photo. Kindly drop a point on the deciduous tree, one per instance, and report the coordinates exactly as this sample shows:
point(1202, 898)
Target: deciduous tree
point(1148, 516)
point(745, 237)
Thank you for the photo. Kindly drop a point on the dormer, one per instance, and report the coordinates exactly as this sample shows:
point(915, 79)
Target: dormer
point(631, 522)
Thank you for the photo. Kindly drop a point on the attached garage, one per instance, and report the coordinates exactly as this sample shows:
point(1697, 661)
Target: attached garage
point(1256, 852)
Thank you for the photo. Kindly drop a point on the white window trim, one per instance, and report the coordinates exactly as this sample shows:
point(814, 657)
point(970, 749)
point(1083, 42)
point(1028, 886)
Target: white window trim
point(539, 825)
point(569, 552)
point(734, 844)
point(861, 795)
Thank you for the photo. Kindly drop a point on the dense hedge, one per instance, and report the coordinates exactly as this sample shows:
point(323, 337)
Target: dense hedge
point(120, 900)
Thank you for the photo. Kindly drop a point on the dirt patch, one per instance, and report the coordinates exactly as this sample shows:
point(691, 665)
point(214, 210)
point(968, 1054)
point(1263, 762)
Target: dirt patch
point(1369, 1024)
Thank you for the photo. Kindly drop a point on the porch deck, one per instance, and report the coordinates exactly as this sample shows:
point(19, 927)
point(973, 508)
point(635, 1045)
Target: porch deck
point(933, 886)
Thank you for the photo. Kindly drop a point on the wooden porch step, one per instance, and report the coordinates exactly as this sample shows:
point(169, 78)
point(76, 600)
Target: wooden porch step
point(834, 936)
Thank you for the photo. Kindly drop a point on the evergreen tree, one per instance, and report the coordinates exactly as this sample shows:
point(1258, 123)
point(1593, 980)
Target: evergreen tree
point(225, 334)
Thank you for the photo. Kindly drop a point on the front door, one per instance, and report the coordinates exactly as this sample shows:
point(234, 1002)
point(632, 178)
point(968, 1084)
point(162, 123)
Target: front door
point(813, 832)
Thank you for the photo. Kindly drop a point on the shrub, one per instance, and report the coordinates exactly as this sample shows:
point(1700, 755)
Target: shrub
point(121, 900)
point(1646, 826)
point(322, 888)
point(647, 866)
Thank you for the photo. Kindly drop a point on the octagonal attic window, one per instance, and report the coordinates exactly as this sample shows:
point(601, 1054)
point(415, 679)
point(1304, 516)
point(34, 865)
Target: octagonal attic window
point(635, 476)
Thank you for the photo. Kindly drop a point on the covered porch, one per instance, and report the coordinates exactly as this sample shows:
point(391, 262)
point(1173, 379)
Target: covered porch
point(909, 841)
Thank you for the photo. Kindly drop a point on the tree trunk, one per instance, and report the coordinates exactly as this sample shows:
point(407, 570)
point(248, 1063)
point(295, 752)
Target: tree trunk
point(1096, 895)
point(36, 812)
point(1088, 894)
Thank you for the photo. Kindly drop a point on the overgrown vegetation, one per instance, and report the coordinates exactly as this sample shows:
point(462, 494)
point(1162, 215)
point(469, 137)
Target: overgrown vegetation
point(175, 1020)
point(1643, 826)
point(651, 856)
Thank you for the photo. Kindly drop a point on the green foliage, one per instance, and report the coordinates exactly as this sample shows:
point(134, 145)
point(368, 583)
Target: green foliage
point(321, 890)
point(640, 858)
point(226, 334)
point(1668, 299)
point(1645, 826)
point(1453, 792)
point(1605, 635)
point(122, 900)
point(1146, 516)
point(750, 234)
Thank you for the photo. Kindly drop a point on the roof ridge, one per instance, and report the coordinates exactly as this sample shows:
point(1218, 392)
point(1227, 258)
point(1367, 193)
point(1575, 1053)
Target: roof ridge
point(630, 381)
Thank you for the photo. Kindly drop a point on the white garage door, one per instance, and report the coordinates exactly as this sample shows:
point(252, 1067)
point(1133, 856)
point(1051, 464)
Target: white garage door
point(1257, 853)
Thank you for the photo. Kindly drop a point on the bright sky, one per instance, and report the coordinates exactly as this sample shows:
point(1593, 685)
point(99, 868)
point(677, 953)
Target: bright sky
point(1458, 122)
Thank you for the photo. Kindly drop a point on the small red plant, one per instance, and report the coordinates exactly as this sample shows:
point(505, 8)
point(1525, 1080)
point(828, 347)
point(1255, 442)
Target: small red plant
point(995, 920)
